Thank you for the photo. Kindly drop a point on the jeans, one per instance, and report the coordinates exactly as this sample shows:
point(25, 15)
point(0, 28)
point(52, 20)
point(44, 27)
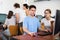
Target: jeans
point(2, 36)
point(7, 32)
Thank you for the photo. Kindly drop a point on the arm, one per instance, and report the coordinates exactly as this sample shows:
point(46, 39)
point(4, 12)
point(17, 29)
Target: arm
point(25, 27)
point(17, 17)
point(6, 23)
point(52, 25)
point(27, 12)
point(4, 26)
point(39, 25)
point(26, 30)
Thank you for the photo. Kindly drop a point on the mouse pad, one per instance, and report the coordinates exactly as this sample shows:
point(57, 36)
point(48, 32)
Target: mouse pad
point(44, 33)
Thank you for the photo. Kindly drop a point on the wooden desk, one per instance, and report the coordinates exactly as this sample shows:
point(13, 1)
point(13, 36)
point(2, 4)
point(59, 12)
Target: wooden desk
point(28, 37)
point(0, 34)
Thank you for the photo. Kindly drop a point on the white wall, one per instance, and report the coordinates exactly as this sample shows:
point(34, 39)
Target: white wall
point(6, 5)
point(41, 6)
point(55, 0)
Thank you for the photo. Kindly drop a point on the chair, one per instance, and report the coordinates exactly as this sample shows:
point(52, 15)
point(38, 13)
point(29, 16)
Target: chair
point(21, 30)
point(39, 17)
point(13, 30)
point(42, 26)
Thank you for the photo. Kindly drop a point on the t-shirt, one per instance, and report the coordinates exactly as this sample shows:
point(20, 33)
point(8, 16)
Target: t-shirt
point(31, 23)
point(46, 22)
point(11, 21)
point(21, 14)
point(8, 22)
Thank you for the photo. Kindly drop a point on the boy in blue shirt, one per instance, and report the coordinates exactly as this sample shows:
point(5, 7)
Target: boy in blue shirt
point(31, 23)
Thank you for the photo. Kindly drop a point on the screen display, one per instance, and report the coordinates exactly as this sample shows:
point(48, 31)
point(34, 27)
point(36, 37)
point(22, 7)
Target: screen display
point(2, 18)
point(57, 22)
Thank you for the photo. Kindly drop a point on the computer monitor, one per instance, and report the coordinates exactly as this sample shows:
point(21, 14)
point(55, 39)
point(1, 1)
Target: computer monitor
point(2, 18)
point(57, 22)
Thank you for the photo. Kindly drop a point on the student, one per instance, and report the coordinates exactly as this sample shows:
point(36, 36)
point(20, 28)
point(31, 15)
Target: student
point(25, 7)
point(10, 20)
point(47, 20)
point(31, 23)
point(20, 15)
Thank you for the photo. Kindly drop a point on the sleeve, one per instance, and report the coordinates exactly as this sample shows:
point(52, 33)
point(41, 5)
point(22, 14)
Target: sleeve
point(16, 11)
point(25, 23)
point(6, 21)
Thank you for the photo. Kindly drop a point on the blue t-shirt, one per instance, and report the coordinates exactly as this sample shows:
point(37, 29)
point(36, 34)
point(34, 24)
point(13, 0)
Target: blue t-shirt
point(31, 23)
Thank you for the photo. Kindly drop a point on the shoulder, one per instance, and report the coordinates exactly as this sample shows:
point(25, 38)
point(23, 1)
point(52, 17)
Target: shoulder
point(52, 19)
point(13, 17)
point(36, 19)
point(26, 18)
point(17, 9)
point(43, 19)
point(27, 10)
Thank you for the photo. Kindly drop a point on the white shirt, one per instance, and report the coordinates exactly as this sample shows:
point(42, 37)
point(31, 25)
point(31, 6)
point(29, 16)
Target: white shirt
point(21, 14)
point(11, 21)
point(46, 22)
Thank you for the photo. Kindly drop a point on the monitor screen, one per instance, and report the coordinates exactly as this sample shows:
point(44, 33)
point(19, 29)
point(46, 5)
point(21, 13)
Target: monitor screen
point(2, 18)
point(57, 22)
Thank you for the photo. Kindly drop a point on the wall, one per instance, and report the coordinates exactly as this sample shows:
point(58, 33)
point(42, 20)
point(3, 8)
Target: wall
point(41, 6)
point(6, 5)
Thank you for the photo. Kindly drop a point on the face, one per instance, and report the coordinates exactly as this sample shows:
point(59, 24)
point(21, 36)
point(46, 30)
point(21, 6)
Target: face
point(32, 11)
point(24, 7)
point(47, 14)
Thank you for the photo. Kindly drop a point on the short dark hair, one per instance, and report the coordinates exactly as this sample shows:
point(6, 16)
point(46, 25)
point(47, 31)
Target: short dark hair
point(16, 5)
point(26, 5)
point(32, 6)
point(10, 14)
point(48, 11)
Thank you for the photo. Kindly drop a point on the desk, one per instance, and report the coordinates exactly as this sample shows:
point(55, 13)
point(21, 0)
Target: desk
point(28, 37)
point(0, 35)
